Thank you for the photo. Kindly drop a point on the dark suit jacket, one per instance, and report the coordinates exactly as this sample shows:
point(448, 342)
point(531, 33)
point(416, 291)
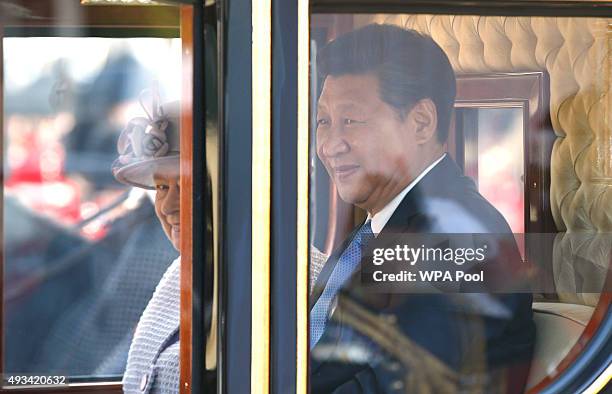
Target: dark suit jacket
point(443, 341)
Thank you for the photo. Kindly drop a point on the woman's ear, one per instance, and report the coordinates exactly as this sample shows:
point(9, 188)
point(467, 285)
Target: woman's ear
point(425, 118)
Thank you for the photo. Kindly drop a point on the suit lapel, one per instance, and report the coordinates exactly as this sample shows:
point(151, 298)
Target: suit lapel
point(409, 216)
point(412, 204)
point(404, 220)
point(435, 184)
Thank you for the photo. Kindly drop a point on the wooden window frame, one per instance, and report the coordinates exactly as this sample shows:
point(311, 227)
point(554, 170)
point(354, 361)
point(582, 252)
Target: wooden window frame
point(528, 91)
point(113, 21)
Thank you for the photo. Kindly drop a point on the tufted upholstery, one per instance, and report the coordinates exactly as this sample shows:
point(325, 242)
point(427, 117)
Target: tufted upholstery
point(576, 53)
point(580, 265)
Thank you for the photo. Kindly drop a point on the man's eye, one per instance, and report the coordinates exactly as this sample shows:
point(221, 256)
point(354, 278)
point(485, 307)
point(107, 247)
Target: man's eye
point(322, 122)
point(161, 188)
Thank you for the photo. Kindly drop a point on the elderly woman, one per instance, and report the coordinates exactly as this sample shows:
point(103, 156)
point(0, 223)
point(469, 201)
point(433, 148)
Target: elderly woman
point(149, 158)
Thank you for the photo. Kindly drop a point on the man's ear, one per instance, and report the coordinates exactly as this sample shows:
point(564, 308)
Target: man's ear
point(425, 118)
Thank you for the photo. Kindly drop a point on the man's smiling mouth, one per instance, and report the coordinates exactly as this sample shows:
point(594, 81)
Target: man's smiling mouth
point(345, 171)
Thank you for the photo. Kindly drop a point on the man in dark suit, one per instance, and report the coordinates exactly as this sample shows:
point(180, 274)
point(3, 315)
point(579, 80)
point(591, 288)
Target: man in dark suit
point(382, 122)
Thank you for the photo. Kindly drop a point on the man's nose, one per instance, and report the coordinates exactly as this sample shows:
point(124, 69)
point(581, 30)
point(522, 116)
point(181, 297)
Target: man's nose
point(333, 143)
point(171, 204)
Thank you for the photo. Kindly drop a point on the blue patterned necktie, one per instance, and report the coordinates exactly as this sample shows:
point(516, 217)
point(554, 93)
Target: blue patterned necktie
point(348, 262)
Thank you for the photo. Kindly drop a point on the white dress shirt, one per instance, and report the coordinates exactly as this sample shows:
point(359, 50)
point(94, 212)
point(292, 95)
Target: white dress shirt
point(382, 217)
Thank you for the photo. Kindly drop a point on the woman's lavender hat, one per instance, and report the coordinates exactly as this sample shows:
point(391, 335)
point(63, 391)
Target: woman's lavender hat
point(149, 145)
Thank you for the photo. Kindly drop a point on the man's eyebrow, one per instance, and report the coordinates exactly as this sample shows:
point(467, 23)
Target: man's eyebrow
point(343, 106)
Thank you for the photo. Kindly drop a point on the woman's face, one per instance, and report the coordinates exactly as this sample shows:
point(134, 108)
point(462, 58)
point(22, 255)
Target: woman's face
point(167, 206)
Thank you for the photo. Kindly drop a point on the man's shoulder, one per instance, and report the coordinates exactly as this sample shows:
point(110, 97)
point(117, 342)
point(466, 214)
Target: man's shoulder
point(452, 204)
point(467, 211)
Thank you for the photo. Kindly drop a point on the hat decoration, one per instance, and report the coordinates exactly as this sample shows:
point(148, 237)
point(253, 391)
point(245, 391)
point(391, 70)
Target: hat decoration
point(149, 144)
point(145, 138)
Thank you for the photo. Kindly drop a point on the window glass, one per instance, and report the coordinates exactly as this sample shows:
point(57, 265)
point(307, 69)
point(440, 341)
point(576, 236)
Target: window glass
point(499, 168)
point(91, 225)
point(457, 233)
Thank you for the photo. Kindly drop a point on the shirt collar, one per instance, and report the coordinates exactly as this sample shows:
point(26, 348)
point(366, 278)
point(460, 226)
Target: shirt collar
point(382, 217)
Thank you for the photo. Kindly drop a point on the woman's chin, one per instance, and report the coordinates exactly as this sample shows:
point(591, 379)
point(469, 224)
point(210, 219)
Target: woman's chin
point(176, 242)
point(175, 237)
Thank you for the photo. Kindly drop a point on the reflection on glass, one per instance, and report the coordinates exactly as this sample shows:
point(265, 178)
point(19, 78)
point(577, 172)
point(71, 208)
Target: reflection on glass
point(382, 121)
point(365, 338)
point(501, 162)
point(83, 253)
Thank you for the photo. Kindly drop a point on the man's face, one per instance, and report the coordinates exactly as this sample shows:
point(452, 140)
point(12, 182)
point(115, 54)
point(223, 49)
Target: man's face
point(167, 205)
point(366, 147)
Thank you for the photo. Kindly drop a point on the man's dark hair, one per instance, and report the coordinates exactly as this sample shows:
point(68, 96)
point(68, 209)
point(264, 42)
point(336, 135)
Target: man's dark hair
point(409, 66)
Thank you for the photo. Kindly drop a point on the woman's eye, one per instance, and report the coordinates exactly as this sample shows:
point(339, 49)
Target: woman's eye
point(161, 188)
point(322, 122)
point(350, 122)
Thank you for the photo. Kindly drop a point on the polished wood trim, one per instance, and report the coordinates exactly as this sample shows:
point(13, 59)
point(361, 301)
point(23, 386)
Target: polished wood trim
point(530, 91)
point(303, 142)
point(186, 184)
point(261, 197)
point(599, 314)
point(72, 13)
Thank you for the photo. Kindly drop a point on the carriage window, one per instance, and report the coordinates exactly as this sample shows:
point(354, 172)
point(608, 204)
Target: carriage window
point(92, 123)
point(495, 161)
point(440, 135)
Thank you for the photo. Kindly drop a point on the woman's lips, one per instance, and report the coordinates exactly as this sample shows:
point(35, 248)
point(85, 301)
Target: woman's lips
point(345, 171)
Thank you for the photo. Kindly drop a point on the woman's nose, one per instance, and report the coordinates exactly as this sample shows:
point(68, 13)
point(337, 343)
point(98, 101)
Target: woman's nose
point(171, 203)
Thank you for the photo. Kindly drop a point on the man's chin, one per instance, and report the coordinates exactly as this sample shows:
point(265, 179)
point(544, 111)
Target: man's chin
point(350, 196)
